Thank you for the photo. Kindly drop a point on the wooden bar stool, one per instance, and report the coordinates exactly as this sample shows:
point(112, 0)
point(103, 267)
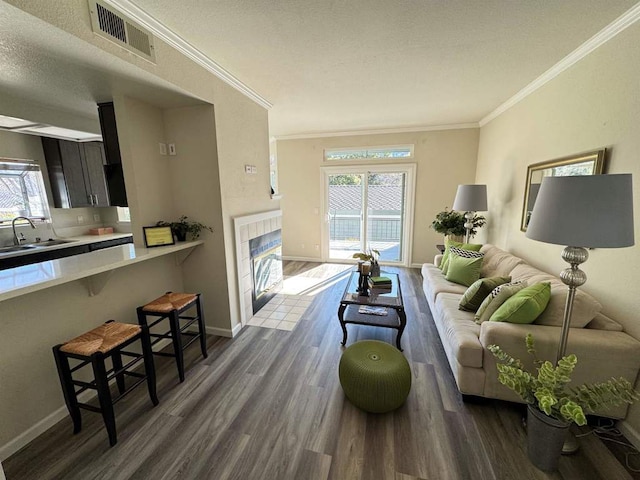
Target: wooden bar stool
point(171, 306)
point(93, 347)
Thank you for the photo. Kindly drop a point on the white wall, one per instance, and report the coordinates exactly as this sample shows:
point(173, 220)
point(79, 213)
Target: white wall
point(594, 104)
point(443, 158)
point(32, 324)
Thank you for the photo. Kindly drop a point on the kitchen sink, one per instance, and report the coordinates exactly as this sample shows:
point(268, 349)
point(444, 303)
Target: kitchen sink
point(15, 248)
point(32, 246)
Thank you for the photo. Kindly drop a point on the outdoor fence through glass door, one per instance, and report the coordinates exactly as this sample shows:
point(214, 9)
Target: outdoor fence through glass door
point(354, 228)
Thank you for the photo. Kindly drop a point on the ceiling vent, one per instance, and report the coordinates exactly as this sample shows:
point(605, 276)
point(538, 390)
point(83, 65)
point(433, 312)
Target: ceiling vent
point(113, 25)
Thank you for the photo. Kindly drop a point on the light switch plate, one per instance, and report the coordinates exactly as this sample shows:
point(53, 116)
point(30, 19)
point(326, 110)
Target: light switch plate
point(80, 219)
point(172, 149)
point(96, 217)
point(254, 169)
point(163, 148)
point(247, 169)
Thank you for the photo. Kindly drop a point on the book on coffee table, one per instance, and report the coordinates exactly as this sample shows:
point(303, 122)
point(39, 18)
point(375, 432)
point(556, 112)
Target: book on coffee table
point(379, 281)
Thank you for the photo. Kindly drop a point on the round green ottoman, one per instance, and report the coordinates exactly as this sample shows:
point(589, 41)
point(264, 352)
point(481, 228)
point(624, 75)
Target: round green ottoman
point(375, 376)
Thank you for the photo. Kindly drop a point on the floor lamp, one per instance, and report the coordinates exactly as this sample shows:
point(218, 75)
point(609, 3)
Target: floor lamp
point(594, 211)
point(470, 199)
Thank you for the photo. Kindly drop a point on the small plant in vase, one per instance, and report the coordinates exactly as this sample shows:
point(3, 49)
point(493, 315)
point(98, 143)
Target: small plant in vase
point(371, 255)
point(552, 404)
point(184, 227)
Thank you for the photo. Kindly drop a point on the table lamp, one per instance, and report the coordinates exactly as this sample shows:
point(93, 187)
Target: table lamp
point(470, 199)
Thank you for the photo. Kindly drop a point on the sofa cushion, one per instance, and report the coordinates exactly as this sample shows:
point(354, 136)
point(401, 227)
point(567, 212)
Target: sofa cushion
point(585, 307)
point(497, 262)
point(464, 266)
point(474, 247)
point(602, 322)
point(478, 291)
point(458, 330)
point(524, 306)
point(434, 283)
point(496, 298)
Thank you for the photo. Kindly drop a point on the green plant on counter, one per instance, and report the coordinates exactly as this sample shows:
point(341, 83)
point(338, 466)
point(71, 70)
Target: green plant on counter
point(548, 389)
point(184, 227)
point(450, 222)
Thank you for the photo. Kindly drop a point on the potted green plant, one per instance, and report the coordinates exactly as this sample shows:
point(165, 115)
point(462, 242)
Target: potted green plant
point(451, 223)
point(552, 404)
point(183, 227)
point(370, 255)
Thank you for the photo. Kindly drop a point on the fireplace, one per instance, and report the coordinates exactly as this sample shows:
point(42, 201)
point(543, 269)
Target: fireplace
point(265, 254)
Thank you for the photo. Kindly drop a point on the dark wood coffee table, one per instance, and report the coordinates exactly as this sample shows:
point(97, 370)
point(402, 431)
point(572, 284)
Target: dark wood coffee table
point(390, 299)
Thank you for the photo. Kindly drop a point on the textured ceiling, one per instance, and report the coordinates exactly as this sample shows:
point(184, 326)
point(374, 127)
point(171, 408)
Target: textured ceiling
point(325, 65)
point(335, 65)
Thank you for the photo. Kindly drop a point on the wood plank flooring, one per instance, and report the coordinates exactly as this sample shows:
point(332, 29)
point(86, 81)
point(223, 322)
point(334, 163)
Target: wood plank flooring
point(268, 405)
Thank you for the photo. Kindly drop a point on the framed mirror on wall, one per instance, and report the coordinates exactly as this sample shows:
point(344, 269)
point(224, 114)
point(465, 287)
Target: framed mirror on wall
point(589, 163)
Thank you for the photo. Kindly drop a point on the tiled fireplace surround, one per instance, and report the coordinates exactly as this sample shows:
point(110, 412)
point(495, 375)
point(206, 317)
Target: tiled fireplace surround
point(246, 228)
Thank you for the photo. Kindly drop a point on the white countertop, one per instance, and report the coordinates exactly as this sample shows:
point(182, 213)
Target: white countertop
point(37, 276)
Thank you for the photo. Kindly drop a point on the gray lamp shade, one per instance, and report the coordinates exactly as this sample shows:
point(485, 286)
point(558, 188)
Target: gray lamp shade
point(584, 211)
point(471, 198)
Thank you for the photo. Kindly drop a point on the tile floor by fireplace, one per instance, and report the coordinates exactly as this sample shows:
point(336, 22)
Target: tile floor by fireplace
point(282, 312)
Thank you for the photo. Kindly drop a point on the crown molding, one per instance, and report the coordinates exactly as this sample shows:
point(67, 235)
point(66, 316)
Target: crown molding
point(170, 37)
point(383, 131)
point(603, 36)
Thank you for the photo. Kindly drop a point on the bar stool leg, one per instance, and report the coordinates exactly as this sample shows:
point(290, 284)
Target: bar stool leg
point(201, 326)
point(116, 358)
point(68, 390)
point(149, 365)
point(176, 337)
point(104, 396)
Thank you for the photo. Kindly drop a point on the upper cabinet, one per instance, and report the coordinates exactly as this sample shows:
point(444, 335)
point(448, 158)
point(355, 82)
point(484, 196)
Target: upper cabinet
point(77, 173)
point(87, 174)
point(113, 169)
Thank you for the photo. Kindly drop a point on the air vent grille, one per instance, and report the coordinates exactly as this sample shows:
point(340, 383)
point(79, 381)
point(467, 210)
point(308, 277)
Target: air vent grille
point(114, 26)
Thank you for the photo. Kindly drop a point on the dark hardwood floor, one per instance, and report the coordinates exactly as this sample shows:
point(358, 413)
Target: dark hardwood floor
point(268, 405)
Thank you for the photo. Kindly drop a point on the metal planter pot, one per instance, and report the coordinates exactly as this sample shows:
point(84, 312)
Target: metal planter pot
point(545, 438)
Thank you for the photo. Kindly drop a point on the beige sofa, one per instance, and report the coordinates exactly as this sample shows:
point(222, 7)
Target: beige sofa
point(602, 348)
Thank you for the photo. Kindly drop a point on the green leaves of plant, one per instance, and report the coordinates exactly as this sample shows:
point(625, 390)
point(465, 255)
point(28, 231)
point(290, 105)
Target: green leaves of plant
point(549, 392)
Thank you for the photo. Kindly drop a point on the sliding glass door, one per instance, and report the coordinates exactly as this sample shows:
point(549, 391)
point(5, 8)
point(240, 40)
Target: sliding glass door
point(368, 209)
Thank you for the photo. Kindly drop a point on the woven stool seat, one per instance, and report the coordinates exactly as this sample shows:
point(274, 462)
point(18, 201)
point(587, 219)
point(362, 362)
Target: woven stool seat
point(101, 339)
point(375, 376)
point(170, 301)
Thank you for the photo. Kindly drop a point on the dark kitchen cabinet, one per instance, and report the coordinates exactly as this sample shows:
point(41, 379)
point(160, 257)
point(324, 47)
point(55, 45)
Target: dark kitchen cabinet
point(77, 173)
point(113, 168)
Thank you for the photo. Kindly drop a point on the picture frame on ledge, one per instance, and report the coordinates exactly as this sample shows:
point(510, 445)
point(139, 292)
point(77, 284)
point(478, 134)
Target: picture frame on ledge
point(158, 236)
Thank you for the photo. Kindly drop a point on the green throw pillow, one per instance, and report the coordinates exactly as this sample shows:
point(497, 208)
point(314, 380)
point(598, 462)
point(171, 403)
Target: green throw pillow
point(476, 293)
point(474, 247)
point(524, 306)
point(497, 297)
point(464, 268)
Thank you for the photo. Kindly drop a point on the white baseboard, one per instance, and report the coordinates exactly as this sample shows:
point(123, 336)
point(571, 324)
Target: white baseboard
point(224, 332)
point(39, 428)
point(49, 421)
point(303, 259)
point(630, 433)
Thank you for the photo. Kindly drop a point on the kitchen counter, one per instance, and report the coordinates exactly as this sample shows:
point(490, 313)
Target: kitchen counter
point(73, 241)
point(95, 266)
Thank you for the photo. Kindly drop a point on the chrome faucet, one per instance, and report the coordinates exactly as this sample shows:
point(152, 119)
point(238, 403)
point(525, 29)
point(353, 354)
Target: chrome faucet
point(16, 240)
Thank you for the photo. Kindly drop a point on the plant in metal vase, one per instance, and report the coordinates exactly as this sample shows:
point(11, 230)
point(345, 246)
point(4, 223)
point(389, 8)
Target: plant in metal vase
point(451, 223)
point(552, 404)
point(184, 227)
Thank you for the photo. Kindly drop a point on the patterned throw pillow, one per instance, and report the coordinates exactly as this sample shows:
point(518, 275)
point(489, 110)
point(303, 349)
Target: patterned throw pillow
point(444, 263)
point(464, 266)
point(476, 293)
point(496, 298)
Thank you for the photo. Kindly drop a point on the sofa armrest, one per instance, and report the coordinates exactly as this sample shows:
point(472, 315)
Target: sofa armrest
point(601, 354)
point(437, 260)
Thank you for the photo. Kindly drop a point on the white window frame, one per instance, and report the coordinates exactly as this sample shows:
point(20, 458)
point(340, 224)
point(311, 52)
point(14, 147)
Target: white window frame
point(27, 165)
point(408, 168)
point(366, 150)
